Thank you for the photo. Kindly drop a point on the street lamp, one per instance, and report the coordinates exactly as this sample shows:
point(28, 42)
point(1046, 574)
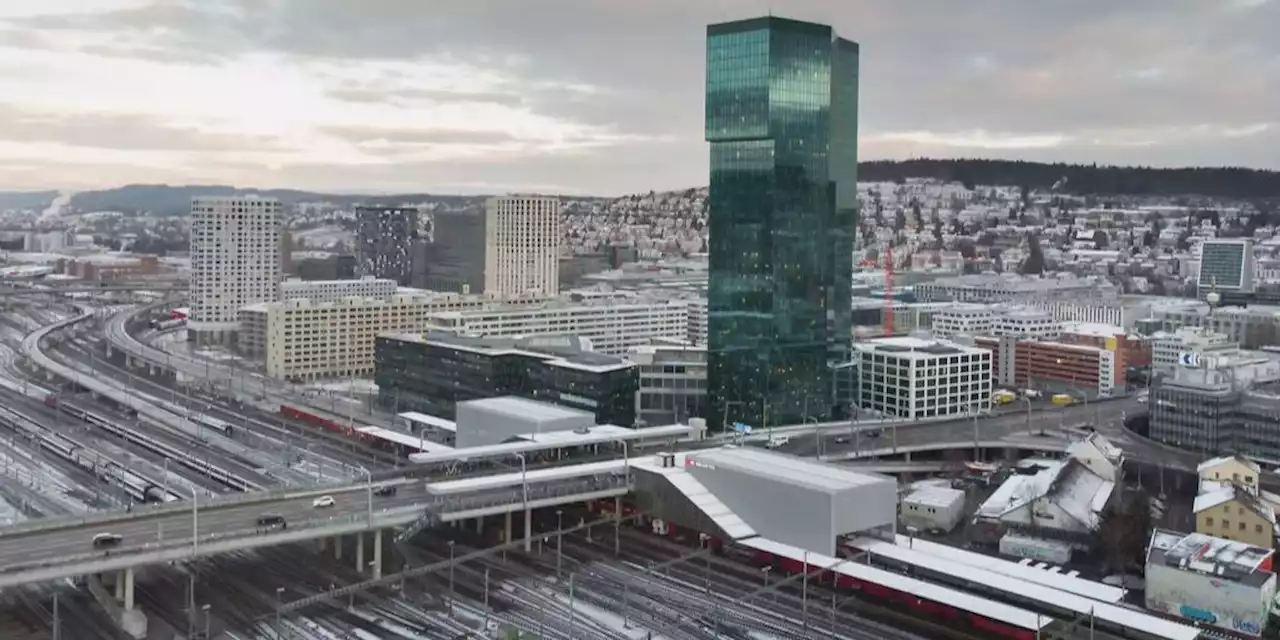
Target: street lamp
point(279, 595)
point(205, 609)
point(368, 486)
point(450, 578)
point(559, 538)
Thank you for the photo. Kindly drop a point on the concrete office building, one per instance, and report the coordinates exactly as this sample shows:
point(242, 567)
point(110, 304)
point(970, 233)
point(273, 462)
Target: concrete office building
point(672, 383)
point(1057, 366)
point(1251, 327)
point(916, 378)
point(1216, 403)
point(454, 259)
point(385, 241)
point(1012, 288)
point(435, 372)
point(612, 326)
point(1226, 266)
point(958, 319)
point(1168, 346)
point(332, 290)
point(522, 246)
point(301, 340)
point(782, 213)
point(235, 261)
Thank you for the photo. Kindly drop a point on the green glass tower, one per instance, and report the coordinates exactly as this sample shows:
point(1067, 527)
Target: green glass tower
point(782, 120)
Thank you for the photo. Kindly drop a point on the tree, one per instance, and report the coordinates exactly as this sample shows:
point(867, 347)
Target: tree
point(1035, 263)
point(1123, 533)
point(899, 220)
point(1100, 240)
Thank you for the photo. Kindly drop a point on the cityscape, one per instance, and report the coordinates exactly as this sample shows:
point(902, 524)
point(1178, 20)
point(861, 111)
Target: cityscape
point(821, 391)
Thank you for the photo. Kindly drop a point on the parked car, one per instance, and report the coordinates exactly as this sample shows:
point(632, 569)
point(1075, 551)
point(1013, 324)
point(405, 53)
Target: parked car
point(322, 502)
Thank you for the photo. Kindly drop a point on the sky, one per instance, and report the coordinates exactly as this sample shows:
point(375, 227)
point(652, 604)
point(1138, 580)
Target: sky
point(600, 97)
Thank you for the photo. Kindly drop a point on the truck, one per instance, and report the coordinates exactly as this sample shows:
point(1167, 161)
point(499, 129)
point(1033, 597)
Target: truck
point(1003, 396)
point(1062, 400)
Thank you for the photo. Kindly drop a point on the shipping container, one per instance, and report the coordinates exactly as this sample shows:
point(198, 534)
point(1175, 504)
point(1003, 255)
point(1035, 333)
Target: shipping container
point(1052, 551)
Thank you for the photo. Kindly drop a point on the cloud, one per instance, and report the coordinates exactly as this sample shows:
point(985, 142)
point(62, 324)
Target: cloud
point(606, 97)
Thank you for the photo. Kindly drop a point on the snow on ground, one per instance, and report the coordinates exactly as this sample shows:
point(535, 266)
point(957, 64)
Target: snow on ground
point(360, 386)
point(19, 466)
point(607, 619)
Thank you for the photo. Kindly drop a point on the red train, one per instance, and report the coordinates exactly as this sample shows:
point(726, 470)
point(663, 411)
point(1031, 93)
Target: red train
point(320, 419)
point(938, 612)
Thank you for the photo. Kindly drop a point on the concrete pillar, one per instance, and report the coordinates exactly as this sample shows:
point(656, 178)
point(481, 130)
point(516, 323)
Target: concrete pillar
point(337, 547)
point(906, 456)
point(321, 543)
point(360, 552)
point(528, 530)
point(377, 554)
point(128, 589)
point(506, 534)
point(119, 586)
point(479, 525)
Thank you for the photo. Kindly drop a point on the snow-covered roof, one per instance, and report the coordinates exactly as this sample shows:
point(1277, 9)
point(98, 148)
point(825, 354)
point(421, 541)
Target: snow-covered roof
point(1209, 464)
point(1230, 492)
point(1206, 554)
point(1072, 486)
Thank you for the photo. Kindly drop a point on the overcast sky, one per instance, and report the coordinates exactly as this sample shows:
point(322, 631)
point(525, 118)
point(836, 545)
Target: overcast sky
point(599, 96)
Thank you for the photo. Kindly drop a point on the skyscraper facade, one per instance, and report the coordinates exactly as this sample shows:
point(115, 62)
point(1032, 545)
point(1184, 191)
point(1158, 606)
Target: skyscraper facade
point(782, 120)
point(454, 259)
point(235, 261)
point(522, 246)
point(385, 240)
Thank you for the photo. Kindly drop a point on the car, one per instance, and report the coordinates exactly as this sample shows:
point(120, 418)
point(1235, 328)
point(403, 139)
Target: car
point(272, 521)
point(107, 540)
point(844, 439)
point(322, 502)
point(874, 433)
point(385, 491)
point(778, 441)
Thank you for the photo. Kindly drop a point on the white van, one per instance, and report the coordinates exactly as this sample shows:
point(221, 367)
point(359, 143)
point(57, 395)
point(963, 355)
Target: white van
point(778, 441)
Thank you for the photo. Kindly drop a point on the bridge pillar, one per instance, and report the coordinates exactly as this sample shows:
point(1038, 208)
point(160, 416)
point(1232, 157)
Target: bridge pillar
point(320, 543)
point(506, 535)
point(337, 547)
point(377, 554)
point(528, 530)
point(128, 589)
point(119, 586)
point(479, 525)
point(906, 456)
point(360, 552)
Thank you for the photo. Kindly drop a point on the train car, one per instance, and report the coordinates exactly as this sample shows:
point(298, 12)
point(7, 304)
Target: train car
point(181, 313)
point(168, 325)
point(932, 603)
point(315, 419)
point(210, 422)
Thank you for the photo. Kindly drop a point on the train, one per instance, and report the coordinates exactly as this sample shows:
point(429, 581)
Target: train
point(314, 418)
point(198, 417)
point(30, 390)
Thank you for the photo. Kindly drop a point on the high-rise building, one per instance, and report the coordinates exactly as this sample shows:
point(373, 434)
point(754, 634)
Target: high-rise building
point(456, 254)
point(385, 239)
point(782, 120)
point(235, 261)
point(1226, 266)
point(522, 246)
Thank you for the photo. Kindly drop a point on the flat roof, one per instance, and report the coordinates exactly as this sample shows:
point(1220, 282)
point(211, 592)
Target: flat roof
point(698, 494)
point(528, 446)
point(1113, 613)
point(404, 439)
point(516, 479)
point(430, 421)
point(797, 471)
point(525, 409)
point(906, 584)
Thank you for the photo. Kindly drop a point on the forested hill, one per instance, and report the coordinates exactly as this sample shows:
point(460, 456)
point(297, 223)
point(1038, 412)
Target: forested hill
point(1227, 182)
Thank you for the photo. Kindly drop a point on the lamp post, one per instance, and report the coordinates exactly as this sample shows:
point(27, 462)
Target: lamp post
point(368, 488)
point(559, 539)
point(450, 578)
point(279, 595)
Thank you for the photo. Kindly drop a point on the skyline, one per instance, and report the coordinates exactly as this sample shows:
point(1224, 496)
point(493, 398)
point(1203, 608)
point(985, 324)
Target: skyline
point(591, 97)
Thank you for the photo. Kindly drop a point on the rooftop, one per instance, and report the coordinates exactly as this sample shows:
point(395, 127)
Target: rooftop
point(910, 346)
point(1228, 559)
point(564, 351)
point(793, 470)
point(526, 409)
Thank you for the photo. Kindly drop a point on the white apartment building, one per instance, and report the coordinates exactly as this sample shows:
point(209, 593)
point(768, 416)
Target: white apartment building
point(333, 290)
point(1167, 347)
point(301, 340)
point(1027, 324)
point(235, 261)
point(914, 378)
point(971, 319)
point(612, 326)
point(698, 320)
point(522, 246)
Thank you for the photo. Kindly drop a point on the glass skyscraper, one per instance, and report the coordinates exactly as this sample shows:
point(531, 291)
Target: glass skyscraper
point(782, 120)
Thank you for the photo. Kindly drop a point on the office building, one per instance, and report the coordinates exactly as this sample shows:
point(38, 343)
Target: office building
point(673, 382)
point(433, 373)
point(1211, 581)
point(1057, 366)
point(962, 319)
point(235, 261)
point(1226, 266)
point(454, 259)
point(301, 340)
point(1219, 403)
point(782, 123)
point(331, 290)
point(914, 378)
point(1018, 289)
point(1251, 327)
point(385, 241)
point(522, 246)
point(612, 326)
point(1167, 347)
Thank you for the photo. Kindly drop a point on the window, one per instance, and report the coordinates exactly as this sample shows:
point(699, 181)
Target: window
point(1257, 528)
point(1242, 526)
point(1208, 522)
point(1226, 524)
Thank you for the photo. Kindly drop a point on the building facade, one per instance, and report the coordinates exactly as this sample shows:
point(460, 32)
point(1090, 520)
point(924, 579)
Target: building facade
point(1211, 581)
point(915, 378)
point(1226, 266)
point(522, 246)
point(435, 372)
point(331, 290)
point(455, 257)
point(1223, 403)
point(673, 382)
point(1057, 366)
point(782, 123)
point(385, 240)
point(612, 326)
point(235, 261)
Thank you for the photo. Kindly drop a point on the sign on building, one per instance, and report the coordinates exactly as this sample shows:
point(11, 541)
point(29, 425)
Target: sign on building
point(1189, 359)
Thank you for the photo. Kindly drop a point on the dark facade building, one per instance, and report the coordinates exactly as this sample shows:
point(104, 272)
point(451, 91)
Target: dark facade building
point(782, 120)
point(330, 267)
point(385, 240)
point(432, 374)
point(454, 259)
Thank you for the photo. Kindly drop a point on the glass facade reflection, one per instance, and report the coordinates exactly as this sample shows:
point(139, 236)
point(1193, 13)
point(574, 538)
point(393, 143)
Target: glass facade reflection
point(433, 374)
point(781, 117)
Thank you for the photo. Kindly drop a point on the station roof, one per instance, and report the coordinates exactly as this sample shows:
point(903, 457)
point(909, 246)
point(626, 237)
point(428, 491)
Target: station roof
point(517, 479)
point(546, 440)
point(431, 421)
point(525, 409)
point(404, 439)
point(789, 469)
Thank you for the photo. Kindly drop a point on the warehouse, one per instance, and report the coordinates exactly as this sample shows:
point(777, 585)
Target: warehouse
point(1212, 581)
